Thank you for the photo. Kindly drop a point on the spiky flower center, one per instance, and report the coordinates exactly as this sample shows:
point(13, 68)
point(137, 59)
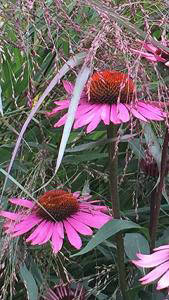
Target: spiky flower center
point(57, 205)
point(110, 87)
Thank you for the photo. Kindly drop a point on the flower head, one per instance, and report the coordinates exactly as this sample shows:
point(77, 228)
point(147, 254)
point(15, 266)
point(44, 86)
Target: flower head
point(109, 97)
point(159, 260)
point(65, 292)
point(57, 212)
point(153, 54)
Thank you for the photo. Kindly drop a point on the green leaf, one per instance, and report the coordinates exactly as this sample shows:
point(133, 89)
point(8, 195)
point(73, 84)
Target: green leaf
point(135, 242)
point(79, 86)
point(1, 107)
point(29, 282)
point(108, 230)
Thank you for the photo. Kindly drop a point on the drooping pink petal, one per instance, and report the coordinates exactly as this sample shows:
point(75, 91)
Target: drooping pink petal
point(91, 219)
point(11, 215)
point(162, 248)
point(60, 229)
point(72, 235)
point(84, 109)
point(61, 121)
point(155, 274)
point(68, 86)
point(22, 202)
point(93, 124)
point(79, 226)
point(137, 114)
point(61, 105)
point(57, 241)
point(150, 47)
point(25, 225)
point(152, 108)
point(76, 194)
point(105, 113)
point(86, 118)
point(123, 113)
point(42, 233)
point(151, 260)
point(114, 115)
point(150, 114)
point(164, 281)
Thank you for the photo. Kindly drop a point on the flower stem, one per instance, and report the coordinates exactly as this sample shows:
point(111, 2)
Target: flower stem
point(113, 185)
point(157, 194)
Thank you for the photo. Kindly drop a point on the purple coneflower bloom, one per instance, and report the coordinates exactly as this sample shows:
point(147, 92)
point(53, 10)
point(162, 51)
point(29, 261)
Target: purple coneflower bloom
point(65, 292)
point(159, 261)
point(109, 97)
point(57, 212)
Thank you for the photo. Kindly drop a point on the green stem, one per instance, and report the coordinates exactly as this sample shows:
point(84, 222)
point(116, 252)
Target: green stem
point(157, 195)
point(113, 185)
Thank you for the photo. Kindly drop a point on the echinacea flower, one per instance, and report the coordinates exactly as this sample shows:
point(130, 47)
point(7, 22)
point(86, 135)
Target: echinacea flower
point(153, 54)
point(65, 292)
point(109, 97)
point(57, 212)
point(159, 260)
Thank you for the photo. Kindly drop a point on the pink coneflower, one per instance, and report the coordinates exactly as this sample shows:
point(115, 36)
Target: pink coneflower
point(65, 292)
point(57, 212)
point(154, 53)
point(159, 260)
point(108, 97)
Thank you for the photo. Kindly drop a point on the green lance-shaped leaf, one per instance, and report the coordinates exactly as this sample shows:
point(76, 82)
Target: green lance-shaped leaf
point(29, 282)
point(79, 86)
point(109, 229)
point(1, 107)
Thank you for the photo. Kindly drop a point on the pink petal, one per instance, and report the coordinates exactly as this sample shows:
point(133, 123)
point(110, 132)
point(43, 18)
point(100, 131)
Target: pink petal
point(87, 118)
point(123, 113)
point(57, 241)
point(114, 115)
point(60, 229)
point(152, 108)
point(91, 220)
point(150, 47)
point(22, 202)
point(105, 113)
point(42, 233)
point(137, 114)
point(79, 226)
point(72, 235)
point(84, 109)
point(76, 194)
point(150, 113)
point(68, 86)
point(11, 215)
point(164, 281)
point(25, 225)
point(93, 124)
point(61, 121)
point(162, 248)
point(152, 260)
point(61, 106)
point(155, 274)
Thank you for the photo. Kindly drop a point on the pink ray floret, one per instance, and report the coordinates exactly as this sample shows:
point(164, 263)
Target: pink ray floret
point(159, 261)
point(39, 230)
point(90, 114)
point(153, 53)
